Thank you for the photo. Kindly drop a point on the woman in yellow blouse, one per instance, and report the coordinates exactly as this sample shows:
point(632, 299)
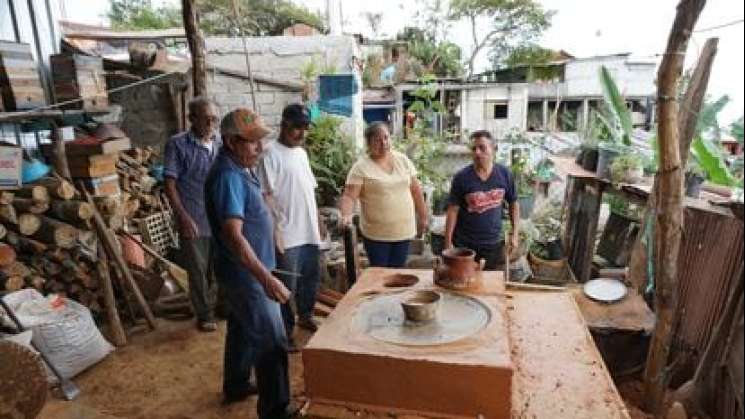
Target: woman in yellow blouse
point(391, 198)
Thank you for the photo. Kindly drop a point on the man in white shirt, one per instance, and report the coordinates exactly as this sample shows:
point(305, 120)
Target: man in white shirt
point(289, 187)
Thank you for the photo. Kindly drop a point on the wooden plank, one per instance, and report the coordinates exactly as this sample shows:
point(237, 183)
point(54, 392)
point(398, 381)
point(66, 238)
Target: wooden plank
point(585, 199)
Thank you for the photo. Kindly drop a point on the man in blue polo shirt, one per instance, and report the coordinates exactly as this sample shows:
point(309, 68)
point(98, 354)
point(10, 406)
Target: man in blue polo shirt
point(242, 233)
point(478, 195)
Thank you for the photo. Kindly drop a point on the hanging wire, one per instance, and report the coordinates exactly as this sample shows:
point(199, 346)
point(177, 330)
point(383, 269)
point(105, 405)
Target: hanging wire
point(245, 53)
point(114, 90)
point(722, 26)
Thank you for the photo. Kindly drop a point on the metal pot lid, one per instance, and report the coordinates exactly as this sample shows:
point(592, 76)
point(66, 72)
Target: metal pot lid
point(606, 290)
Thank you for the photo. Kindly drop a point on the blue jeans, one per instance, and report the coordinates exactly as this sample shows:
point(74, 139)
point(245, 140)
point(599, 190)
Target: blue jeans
point(256, 337)
point(304, 261)
point(387, 254)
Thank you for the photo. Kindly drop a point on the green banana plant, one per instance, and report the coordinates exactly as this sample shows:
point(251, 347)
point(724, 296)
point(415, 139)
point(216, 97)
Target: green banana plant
point(710, 159)
point(618, 118)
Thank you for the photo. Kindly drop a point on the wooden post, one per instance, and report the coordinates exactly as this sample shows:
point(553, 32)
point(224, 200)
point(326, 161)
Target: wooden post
point(111, 245)
point(669, 208)
point(688, 118)
point(60, 156)
point(118, 337)
point(196, 46)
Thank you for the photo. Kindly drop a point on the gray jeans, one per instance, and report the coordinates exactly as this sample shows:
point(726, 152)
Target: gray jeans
point(196, 257)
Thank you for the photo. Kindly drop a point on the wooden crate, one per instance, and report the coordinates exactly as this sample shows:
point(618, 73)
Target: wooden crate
point(79, 77)
point(93, 166)
point(20, 84)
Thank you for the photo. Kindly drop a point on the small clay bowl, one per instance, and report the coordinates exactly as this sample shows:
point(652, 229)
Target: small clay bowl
point(421, 306)
point(400, 281)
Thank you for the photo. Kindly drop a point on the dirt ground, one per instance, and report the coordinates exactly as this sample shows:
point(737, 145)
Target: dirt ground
point(176, 372)
point(173, 373)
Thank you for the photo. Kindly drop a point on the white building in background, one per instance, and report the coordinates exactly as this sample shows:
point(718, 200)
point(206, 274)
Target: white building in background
point(520, 98)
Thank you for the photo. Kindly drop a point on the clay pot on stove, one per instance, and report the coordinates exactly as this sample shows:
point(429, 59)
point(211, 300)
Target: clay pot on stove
point(457, 265)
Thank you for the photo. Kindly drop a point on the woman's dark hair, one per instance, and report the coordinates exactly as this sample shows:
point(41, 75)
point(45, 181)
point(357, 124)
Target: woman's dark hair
point(375, 128)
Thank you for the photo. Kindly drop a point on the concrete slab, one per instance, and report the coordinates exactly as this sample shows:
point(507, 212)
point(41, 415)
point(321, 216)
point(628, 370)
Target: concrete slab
point(464, 379)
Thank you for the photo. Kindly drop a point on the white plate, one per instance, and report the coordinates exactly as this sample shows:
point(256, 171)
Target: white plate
point(606, 290)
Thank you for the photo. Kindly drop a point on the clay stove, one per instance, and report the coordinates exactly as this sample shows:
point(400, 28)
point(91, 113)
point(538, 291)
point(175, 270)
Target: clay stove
point(368, 355)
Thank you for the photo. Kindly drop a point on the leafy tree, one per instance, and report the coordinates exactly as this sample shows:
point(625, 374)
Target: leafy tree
point(140, 15)
point(513, 23)
point(736, 130)
point(374, 20)
point(441, 58)
point(217, 17)
point(530, 54)
point(256, 17)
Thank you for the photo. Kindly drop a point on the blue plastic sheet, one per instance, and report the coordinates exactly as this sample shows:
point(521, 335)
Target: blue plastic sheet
point(337, 92)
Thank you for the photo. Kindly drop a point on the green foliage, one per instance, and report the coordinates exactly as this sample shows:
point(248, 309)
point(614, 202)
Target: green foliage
point(622, 207)
point(256, 17)
point(736, 130)
point(331, 155)
point(513, 23)
point(707, 125)
point(710, 159)
point(530, 54)
point(623, 164)
point(439, 57)
point(523, 173)
point(140, 15)
point(217, 17)
point(618, 119)
point(425, 148)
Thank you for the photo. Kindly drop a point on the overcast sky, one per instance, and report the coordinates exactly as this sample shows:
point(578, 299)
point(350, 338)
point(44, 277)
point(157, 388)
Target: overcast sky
point(581, 27)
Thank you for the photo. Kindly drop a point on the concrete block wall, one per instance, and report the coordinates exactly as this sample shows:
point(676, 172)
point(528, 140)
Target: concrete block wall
point(147, 113)
point(282, 58)
point(231, 92)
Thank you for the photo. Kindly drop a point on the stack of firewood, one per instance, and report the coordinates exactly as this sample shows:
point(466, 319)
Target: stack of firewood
point(49, 242)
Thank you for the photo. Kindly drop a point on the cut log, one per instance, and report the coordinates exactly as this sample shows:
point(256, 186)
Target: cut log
point(17, 269)
point(13, 283)
point(115, 222)
point(108, 205)
point(57, 233)
point(6, 197)
point(29, 224)
point(8, 214)
point(38, 193)
point(24, 244)
point(58, 188)
point(37, 282)
point(71, 211)
point(3, 231)
point(31, 206)
point(7, 255)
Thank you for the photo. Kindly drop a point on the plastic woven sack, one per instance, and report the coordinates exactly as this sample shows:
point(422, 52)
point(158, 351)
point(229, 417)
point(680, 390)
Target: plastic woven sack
point(62, 329)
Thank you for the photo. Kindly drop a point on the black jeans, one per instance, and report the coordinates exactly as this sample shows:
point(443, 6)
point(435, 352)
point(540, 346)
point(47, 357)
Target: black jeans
point(493, 255)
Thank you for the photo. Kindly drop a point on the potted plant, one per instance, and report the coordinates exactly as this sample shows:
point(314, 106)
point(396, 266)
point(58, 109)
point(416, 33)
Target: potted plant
point(627, 168)
point(544, 175)
point(615, 137)
point(694, 178)
point(523, 176)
